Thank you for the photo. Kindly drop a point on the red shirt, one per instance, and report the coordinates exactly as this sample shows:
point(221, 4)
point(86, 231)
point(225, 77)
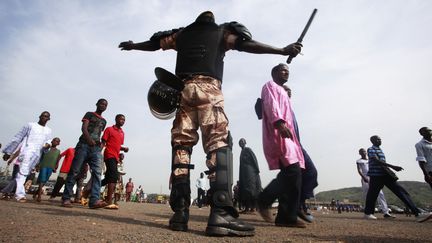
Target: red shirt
point(129, 187)
point(114, 138)
point(68, 157)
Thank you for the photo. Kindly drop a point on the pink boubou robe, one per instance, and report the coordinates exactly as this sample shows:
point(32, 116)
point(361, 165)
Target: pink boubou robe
point(279, 152)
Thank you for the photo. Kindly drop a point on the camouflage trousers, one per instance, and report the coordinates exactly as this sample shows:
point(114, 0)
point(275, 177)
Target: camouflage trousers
point(201, 106)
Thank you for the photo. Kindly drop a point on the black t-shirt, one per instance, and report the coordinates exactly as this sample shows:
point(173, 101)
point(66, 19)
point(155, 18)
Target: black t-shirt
point(95, 127)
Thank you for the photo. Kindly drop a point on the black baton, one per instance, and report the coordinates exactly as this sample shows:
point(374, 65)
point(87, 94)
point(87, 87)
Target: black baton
point(300, 39)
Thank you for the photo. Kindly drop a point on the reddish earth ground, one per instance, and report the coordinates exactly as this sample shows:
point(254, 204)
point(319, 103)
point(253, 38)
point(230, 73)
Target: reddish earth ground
point(136, 222)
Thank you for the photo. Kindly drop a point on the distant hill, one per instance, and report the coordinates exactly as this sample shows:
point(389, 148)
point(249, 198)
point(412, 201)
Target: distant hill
point(420, 192)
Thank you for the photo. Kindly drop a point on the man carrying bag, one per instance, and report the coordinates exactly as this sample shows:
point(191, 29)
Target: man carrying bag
point(380, 175)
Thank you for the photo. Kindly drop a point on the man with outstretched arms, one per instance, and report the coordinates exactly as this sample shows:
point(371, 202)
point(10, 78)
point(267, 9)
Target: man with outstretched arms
point(201, 48)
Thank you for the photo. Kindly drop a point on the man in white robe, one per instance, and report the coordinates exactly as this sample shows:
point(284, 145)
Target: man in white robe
point(34, 137)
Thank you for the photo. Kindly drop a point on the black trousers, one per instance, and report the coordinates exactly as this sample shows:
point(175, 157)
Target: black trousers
point(286, 187)
point(430, 184)
point(376, 183)
point(201, 196)
point(111, 173)
point(58, 185)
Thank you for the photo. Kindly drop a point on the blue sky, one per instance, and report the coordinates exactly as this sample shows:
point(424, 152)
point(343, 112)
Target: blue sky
point(365, 71)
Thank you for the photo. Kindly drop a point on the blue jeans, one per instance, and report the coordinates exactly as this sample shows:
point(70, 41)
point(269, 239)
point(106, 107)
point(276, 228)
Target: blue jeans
point(85, 154)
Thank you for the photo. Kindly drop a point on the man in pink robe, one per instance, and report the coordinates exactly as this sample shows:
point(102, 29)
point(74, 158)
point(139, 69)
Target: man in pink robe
point(282, 151)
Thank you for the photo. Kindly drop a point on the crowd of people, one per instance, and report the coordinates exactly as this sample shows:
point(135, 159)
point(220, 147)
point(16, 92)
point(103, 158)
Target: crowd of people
point(376, 173)
point(194, 96)
point(33, 148)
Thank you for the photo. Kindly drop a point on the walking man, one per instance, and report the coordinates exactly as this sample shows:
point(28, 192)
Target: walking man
point(35, 137)
point(113, 139)
point(309, 174)
point(362, 169)
point(201, 48)
point(68, 155)
point(201, 184)
point(424, 154)
point(129, 189)
point(47, 166)
point(283, 152)
point(88, 149)
point(380, 178)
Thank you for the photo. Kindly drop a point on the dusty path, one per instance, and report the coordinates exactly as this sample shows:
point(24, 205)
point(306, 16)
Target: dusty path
point(134, 222)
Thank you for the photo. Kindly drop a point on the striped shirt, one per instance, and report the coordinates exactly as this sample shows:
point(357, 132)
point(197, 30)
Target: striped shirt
point(375, 169)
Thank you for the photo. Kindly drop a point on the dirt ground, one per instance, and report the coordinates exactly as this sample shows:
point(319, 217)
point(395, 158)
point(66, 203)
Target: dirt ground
point(142, 222)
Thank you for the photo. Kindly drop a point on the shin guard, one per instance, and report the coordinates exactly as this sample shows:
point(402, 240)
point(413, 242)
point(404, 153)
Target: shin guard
point(180, 190)
point(220, 186)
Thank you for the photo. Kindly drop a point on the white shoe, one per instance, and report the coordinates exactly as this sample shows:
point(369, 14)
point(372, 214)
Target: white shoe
point(369, 216)
point(21, 199)
point(423, 217)
point(388, 216)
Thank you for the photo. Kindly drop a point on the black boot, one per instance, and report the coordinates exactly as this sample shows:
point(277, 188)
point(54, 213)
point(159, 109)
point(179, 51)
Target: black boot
point(180, 191)
point(179, 202)
point(223, 216)
point(222, 223)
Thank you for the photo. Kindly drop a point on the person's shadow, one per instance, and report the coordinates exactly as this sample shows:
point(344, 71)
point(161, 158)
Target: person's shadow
point(80, 211)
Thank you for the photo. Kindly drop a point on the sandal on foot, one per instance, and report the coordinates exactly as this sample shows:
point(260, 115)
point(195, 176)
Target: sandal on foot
point(22, 200)
point(98, 204)
point(66, 204)
point(111, 206)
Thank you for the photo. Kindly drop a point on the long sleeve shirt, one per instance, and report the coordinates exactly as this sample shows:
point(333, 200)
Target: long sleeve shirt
point(280, 152)
point(32, 136)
